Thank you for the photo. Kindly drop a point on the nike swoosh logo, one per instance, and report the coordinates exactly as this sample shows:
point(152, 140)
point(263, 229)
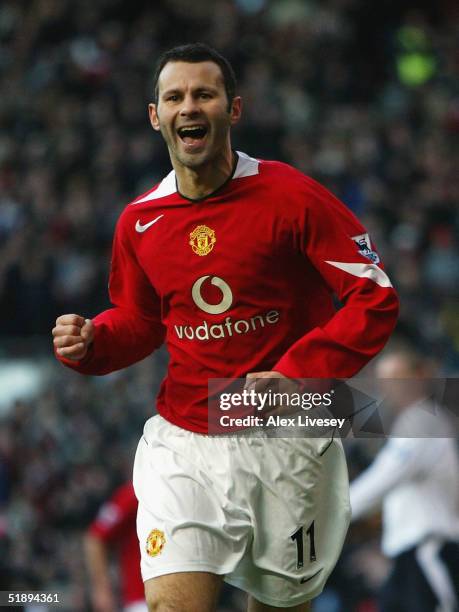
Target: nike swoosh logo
point(141, 228)
point(303, 580)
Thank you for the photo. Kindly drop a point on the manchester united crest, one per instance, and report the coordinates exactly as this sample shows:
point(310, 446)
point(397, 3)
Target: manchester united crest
point(155, 542)
point(202, 240)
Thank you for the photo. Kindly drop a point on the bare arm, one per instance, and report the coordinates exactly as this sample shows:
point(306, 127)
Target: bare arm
point(399, 461)
point(102, 597)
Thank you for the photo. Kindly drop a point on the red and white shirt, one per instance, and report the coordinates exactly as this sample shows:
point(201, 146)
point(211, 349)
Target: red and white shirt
point(241, 281)
point(115, 524)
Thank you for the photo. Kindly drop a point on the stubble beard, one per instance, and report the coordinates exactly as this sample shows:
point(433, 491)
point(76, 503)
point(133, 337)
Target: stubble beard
point(192, 161)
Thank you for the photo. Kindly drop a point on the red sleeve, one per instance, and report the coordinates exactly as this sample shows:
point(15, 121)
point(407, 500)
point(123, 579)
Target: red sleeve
point(118, 512)
point(132, 329)
point(339, 248)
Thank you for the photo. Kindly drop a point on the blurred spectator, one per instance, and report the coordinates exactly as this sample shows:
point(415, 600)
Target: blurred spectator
point(415, 477)
point(115, 528)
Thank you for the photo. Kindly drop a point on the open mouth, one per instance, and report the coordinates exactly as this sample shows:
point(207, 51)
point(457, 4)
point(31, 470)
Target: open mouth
point(192, 134)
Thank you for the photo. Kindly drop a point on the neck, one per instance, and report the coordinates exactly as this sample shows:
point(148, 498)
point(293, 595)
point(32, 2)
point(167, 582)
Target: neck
point(199, 182)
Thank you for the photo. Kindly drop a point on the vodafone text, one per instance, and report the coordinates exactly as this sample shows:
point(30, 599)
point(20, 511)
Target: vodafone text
point(228, 328)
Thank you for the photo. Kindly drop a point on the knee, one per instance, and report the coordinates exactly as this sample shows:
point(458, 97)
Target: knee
point(152, 600)
point(182, 592)
point(155, 604)
point(161, 602)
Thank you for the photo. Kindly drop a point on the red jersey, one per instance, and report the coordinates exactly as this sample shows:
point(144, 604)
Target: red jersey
point(241, 281)
point(116, 524)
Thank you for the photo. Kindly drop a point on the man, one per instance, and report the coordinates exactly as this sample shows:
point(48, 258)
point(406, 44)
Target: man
point(114, 529)
point(232, 262)
point(415, 476)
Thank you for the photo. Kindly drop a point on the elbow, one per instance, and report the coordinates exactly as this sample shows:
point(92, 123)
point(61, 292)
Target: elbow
point(393, 310)
point(384, 314)
point(379, 324)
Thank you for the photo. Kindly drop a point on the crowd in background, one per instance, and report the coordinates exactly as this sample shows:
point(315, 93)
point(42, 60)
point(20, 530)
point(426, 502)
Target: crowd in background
point(361, 96)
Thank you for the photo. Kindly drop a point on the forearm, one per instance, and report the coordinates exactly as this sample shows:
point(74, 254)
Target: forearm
point(398, 461)
point(368, 491)
point(97, 563)
point(121, 338)
point(346, 343)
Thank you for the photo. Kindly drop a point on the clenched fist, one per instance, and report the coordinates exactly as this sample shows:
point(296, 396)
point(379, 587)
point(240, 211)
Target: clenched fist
point(73, 336)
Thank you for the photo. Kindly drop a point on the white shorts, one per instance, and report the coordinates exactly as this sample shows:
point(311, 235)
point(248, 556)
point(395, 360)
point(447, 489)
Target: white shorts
point(269, 514)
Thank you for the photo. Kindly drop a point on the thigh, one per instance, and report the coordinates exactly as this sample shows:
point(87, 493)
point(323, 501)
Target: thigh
point(407, 589)
point(183, 592)
point(450, 557)
point(390, 596)
point(438, 571)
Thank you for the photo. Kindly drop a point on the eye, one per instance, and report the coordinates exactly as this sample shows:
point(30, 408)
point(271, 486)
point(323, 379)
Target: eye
point(172, 98)
point(204, 95)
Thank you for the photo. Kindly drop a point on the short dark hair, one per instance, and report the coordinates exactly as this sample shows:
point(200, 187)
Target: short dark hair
point(195, 53)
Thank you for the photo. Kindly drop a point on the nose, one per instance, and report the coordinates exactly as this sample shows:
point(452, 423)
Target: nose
point(190, 106)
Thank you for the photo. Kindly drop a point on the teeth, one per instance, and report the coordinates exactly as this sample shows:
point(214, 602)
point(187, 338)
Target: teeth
point(187, 130)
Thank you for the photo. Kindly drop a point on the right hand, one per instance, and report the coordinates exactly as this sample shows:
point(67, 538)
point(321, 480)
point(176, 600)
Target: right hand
point(73, 336)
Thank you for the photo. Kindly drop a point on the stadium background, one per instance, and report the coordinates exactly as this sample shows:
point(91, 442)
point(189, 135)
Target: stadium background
point(360, 95)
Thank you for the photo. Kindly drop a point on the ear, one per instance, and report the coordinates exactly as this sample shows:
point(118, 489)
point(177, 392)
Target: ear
point(236, 110)
point(153, 114)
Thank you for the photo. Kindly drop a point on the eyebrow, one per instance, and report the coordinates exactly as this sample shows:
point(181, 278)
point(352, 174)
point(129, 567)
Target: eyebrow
point(174, 90)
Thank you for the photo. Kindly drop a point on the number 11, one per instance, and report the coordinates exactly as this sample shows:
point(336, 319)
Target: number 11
point(298, 536)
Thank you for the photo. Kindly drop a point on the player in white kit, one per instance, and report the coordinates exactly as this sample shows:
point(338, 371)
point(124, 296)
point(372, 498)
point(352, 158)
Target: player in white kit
point(415, 478)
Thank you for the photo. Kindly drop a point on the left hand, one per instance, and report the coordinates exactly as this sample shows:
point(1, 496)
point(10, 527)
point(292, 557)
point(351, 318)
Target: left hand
point(270, 374)
point(262, 382)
